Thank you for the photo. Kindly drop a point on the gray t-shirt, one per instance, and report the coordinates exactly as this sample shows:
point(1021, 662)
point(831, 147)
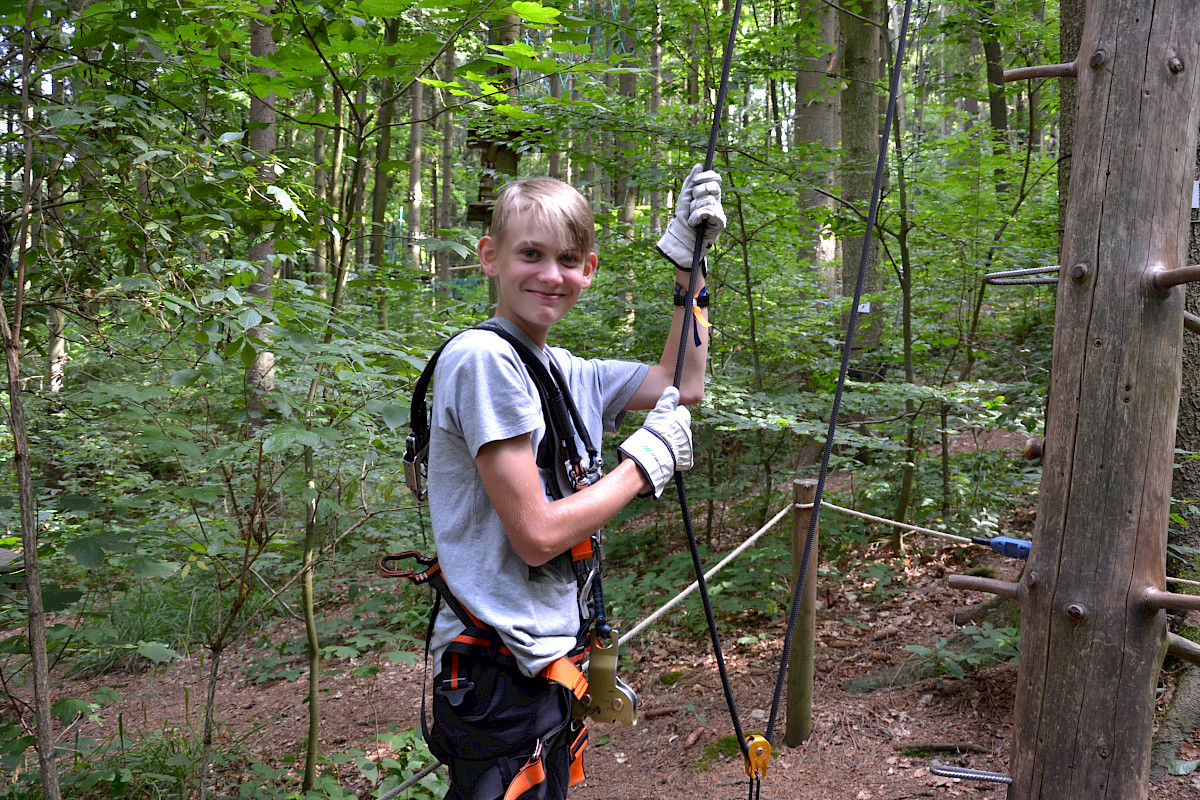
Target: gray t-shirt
point(482, 393)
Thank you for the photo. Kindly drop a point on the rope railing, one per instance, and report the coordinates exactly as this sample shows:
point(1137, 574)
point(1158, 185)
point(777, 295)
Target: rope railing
point(932, 532)
point(892, 522)
point(656, 615)
point(679, 598)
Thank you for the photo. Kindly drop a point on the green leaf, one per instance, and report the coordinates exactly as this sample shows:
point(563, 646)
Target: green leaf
point(185, 377)
point(68, 708)
point(77, 502)
point(91, 550)
point(146, 567)
point(535, 12)
point(368, 768)
point(286, 202)
point(395, 416)
point(59, 598)
point(249, 318)
point(157, 652)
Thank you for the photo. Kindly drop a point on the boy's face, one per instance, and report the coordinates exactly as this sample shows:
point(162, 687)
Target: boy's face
point(537, 280)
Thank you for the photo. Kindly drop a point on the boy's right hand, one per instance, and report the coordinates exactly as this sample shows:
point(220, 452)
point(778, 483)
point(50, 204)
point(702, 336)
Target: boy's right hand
point(663, 445)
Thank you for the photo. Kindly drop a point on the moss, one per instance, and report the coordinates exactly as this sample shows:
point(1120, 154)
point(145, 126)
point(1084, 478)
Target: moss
point(725, 747)
point(672, 678)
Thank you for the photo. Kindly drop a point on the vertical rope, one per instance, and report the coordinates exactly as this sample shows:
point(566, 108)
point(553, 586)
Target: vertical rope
point(852, 328)
point(684, 337)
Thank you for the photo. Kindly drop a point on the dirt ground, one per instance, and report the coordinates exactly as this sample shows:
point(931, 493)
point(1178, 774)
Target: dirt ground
point(874, 746)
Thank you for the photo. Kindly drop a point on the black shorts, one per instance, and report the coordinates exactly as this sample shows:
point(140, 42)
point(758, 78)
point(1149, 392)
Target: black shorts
point(495, 727)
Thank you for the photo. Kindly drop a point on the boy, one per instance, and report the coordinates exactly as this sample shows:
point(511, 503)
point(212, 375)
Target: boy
point(504, 527)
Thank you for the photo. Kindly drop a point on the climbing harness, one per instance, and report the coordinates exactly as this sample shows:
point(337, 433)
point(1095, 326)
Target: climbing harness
point(601, 694)
point(756, 749)
point(563, 421)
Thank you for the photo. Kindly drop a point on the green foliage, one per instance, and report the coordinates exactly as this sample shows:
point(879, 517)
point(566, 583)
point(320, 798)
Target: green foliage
point(174, 504)
point(986, 645)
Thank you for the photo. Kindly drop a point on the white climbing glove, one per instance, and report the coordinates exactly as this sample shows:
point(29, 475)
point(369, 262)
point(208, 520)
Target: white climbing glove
point(699, 201)
point(664, 442)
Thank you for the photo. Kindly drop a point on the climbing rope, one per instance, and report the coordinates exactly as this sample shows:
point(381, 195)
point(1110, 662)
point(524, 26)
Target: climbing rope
point(756, 761)
point(684, 339)
point(847, 345)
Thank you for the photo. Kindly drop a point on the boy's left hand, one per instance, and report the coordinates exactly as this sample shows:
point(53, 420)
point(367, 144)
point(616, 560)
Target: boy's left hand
point(699, 204)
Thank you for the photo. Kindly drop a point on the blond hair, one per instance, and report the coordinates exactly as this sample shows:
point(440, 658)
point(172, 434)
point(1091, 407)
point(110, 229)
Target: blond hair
point(556, 205)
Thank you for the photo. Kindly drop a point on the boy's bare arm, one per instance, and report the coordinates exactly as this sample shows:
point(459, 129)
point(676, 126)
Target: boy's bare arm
point(662, 374)
point(539, 530)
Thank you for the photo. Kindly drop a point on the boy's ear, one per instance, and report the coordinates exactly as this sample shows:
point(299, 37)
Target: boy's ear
point(589, 269)
point(487, 256)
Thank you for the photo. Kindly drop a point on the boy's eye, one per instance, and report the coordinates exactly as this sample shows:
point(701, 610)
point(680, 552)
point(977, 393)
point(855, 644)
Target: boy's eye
point(530, 254)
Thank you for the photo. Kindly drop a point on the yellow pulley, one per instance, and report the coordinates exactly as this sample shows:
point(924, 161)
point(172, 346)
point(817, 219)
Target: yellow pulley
point(758, 755)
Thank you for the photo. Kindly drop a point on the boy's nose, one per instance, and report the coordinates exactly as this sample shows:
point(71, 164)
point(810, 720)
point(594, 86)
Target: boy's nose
point(550, 272)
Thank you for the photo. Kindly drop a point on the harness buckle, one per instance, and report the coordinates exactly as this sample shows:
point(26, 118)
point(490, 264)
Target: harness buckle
point(582, 477)
point(416, 466)
point(608, 698)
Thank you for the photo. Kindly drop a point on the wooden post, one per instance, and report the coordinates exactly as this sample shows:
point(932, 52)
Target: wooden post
point(1092, 636)
point(800, 660)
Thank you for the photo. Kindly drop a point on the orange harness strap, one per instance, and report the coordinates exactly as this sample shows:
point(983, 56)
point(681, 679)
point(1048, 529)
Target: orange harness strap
point(565, 673)
point(532, 774)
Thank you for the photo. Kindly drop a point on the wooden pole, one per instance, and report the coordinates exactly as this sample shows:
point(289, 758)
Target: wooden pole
point(800, 661)
point(1091, 640)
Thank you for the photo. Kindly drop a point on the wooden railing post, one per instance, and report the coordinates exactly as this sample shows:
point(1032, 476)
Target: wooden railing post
point(800, 660)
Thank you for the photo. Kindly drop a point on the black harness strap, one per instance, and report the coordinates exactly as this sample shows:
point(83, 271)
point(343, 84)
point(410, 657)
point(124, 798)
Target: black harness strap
point(563, 420)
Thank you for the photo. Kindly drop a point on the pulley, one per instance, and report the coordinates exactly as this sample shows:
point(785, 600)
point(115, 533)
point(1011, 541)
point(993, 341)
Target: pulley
point(758, 755)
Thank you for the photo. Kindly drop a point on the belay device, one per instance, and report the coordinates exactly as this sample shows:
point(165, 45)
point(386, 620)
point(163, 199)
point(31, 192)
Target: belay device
point(607, 697)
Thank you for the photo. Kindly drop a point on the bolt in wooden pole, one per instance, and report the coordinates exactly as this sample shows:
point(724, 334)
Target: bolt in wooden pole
point(800, 662)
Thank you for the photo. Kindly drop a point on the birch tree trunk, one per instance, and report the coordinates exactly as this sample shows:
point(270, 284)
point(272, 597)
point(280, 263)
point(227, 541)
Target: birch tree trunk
point(415, 196)
point(446, 206)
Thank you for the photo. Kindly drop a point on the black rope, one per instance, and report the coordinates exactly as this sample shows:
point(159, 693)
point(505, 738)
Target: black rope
point(852, 327)
point(685, 335)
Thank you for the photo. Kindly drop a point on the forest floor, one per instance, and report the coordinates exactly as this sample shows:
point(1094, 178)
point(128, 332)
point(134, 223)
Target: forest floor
point(877, 745)
point(865, 746)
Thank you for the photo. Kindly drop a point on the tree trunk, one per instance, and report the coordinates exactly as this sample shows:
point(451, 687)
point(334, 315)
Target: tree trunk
point(860, 145)
point(1092, 639)
point(1070, 37)
point(260, 139)
point(816, 131)
point(415, 196)
point(381, 184)
point(446, 205)
point(10, 330)
point(1185, 483)
point(319, 279)
point(997, 102)
point(656, 80)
